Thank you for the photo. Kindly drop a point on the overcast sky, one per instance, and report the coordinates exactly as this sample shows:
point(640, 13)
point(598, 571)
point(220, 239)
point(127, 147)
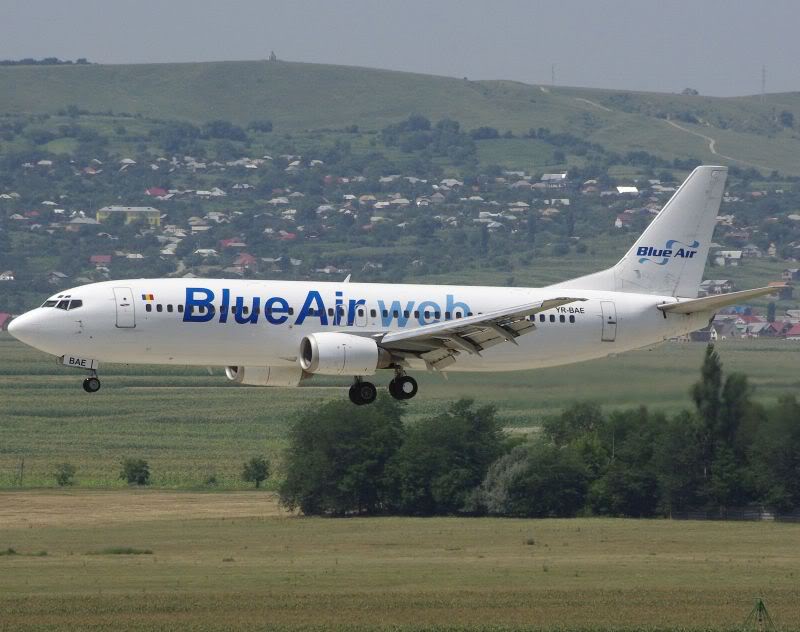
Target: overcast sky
point(715, 46)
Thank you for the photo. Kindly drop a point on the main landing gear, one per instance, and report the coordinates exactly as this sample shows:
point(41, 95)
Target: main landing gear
point(91, 384)
point(401, 387)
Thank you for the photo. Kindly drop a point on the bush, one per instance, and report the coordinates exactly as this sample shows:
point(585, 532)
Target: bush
point(443, 459)
point(337, 455)
point(135, 472)
point(65, 474)
point(255, 470)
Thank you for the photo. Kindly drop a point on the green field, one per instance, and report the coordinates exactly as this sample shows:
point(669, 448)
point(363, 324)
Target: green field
point(191, 425)
point(234, 561)
point(299, 97)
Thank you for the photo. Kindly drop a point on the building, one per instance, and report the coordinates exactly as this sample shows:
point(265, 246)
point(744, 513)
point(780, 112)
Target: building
point(131, 213)
point(724, 258)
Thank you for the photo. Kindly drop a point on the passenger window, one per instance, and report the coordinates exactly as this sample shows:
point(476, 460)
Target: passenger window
point(245, 309)
point(396, 314)
point(572, 318)
point(427, 314)
point(169, 308)
point(158, 307)
point(330, 311)
point(541, 318)
point(562, 318)
point(469, 313)
point(75, 304)
point(552, 318)
point(180, 309)
point(291, 311)
point(406, 313)
point(148, 307)
point(416, 313)
point(373, 313)
point(386, 313)
point(447, 315)
point(437, 315)
point(360, 312)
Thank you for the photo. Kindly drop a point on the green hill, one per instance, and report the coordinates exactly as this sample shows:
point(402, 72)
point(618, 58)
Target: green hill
point(295, 96)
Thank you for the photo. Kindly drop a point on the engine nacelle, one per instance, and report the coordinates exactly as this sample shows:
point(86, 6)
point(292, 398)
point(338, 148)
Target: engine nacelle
point(332, 353)
point(265, 375)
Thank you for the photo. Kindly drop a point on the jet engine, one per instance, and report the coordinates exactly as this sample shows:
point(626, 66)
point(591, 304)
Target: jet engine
point(333, 353)
point(265, 375)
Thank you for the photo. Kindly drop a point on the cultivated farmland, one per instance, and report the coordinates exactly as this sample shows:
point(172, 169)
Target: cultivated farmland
point(190, 425)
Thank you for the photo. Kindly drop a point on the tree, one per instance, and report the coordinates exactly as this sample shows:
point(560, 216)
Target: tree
point(65, 474)
point(337, 456)
point(256, 470)
point(771, 307)
point(135, 471)
point(443, 459)
point(706, 396)
point(536, 480)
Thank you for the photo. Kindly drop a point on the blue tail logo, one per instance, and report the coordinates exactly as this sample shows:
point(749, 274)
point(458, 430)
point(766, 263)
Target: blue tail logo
point(669, 251)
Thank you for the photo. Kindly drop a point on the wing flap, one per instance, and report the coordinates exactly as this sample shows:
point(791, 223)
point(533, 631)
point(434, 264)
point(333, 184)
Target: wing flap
point(713, 303)
point(439, 344)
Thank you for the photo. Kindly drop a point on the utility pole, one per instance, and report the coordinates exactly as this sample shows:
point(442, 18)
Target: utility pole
point(763, 83)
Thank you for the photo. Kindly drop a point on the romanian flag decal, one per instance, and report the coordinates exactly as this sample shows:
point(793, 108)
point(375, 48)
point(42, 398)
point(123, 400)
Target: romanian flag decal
point(148, 297)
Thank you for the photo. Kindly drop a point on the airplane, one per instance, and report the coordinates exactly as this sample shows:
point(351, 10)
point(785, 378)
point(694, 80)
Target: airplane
point(281, 333)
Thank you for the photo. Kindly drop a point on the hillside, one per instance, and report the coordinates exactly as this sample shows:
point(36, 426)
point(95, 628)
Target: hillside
point(295, 96)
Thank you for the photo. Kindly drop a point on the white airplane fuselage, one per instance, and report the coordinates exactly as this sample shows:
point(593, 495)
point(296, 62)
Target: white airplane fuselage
point(114, 323)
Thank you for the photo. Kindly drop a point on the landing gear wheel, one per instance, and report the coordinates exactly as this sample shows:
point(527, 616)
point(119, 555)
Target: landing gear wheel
point(403, 387)
point(363, 393)
point(91, 385)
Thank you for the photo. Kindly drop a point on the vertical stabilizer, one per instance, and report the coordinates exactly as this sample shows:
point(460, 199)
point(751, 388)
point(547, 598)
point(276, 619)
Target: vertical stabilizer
point(669, 257)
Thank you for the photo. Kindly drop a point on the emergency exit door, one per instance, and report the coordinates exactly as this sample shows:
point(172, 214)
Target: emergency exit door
point(609, 310)
point(123, 298)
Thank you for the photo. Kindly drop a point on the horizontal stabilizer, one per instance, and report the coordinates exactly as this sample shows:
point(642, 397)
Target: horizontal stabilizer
point(713, 303)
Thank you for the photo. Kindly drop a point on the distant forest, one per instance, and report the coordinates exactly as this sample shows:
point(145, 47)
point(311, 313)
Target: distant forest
point(45, 61)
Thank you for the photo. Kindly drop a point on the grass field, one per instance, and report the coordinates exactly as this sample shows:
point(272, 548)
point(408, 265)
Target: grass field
point(234, 561)
point(190, 425)
point(298, 97)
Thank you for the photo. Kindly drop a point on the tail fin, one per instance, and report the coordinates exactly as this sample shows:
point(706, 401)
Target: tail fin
point(670, 256)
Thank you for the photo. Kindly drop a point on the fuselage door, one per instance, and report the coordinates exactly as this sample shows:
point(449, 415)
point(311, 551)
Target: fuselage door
point(360, 316)
point(123, 299)
point(609, 321)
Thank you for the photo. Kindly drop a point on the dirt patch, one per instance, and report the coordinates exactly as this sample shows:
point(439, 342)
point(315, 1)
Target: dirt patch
point(49, 508)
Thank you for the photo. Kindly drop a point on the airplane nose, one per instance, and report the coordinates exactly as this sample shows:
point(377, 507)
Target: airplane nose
point(23, 328)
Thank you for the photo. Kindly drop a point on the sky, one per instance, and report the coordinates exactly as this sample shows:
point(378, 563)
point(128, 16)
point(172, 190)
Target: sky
point(715, 46)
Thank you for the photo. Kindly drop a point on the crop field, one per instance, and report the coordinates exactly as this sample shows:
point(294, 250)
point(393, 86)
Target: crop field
point(156, 560)
point(191, 426)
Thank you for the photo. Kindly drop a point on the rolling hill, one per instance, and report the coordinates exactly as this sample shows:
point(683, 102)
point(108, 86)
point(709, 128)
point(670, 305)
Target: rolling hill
point(299, 96)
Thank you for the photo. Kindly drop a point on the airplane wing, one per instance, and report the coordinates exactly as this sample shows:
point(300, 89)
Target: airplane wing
point(440, 344)
point(713, 303)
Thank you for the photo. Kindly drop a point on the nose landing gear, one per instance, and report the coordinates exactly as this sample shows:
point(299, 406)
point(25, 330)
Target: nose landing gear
point(91, 384)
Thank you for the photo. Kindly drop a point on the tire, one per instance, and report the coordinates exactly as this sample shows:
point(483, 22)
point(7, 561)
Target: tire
point(354, 395)
point(91, 385)
point(393, 389)
point(406, 387)
point(366, 392)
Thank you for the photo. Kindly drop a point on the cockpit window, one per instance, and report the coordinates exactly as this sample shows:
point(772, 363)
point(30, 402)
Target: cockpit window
point(75, 303)
point(62, 304)
point(49, 303)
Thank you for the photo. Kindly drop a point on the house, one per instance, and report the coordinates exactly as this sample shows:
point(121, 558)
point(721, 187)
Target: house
point(623, 190)
point(724, 258)
point(8, 275)
point(131, 213)
point(156, 192)
point(623, 220)
point(751, 251)
point(54, 277)
point(100, 260)
point(791, 274)
point(715, 286)
point(793, 333)
point(554, 179)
